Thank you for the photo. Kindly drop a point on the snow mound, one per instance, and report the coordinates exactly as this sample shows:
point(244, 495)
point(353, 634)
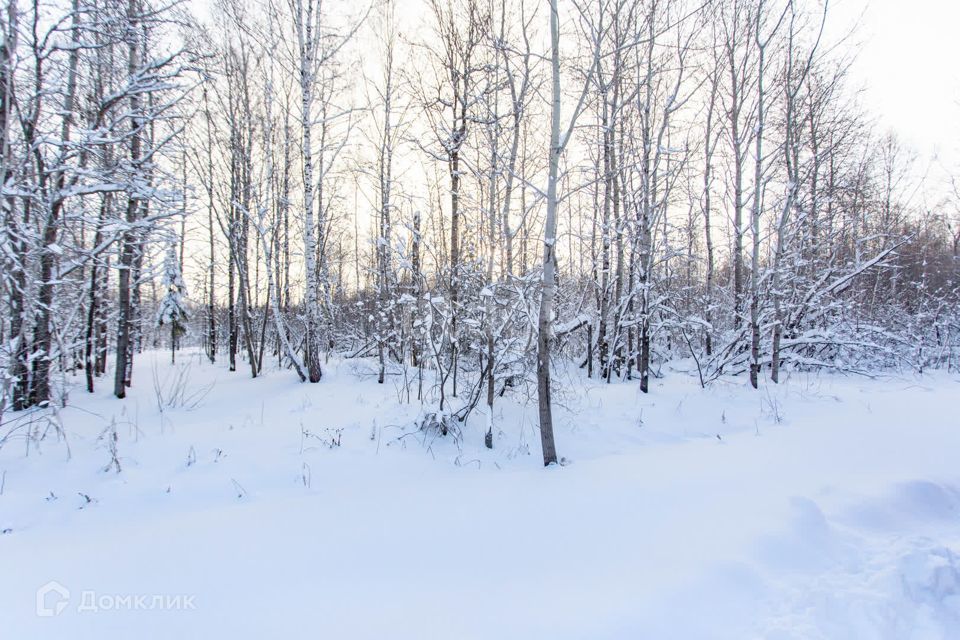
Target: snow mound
point(920, 502)
point(858, 585)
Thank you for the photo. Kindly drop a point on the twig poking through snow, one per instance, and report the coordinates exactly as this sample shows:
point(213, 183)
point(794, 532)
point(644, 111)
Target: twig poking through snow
point(241, 492)
point(306, 475)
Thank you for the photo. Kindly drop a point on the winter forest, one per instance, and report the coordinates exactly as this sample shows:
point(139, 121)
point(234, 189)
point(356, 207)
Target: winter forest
point(568, 231)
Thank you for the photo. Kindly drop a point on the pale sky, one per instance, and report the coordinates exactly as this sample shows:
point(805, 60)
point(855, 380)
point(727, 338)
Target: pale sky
point(909, 66)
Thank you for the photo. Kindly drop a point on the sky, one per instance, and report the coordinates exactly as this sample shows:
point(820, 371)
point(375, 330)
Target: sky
point(908, 65)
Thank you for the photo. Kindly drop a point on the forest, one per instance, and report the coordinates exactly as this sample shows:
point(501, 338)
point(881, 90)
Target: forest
point(620, 184)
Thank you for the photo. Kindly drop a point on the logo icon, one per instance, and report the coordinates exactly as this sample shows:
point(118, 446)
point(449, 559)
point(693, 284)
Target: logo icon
point(52, 599)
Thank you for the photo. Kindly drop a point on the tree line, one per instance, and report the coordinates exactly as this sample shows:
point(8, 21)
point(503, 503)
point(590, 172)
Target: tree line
point(467, 193)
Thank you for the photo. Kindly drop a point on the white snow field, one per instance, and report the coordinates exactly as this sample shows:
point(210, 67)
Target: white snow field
point(825, 507)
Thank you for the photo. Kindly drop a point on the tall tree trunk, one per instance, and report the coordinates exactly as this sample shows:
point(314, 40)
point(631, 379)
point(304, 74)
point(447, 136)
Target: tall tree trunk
point(306, 23)
point(211, 338)
point(548, 282)
point(96, 297)
point(128, 243)
point(50, 253)
point(16, 239)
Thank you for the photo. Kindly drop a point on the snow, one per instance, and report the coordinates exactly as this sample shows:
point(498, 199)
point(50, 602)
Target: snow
point(825, 507)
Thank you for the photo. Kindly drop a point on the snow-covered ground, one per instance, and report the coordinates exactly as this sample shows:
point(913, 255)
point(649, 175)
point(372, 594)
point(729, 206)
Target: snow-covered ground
point(826, 507)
